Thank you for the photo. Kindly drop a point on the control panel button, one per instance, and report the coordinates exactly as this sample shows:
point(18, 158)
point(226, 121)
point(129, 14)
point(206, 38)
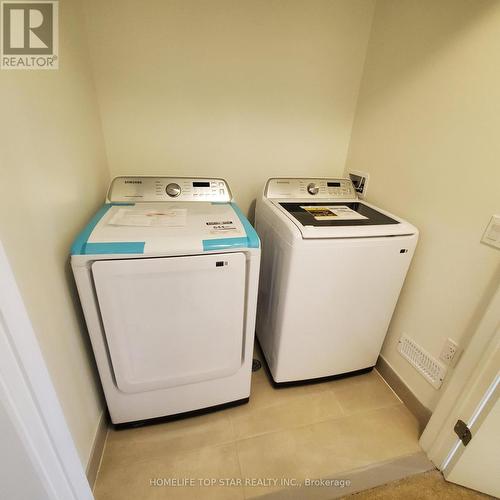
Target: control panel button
point(173, 189)
point(312, 188)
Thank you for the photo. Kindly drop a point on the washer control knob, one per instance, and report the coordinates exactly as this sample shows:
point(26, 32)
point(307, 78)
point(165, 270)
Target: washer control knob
point(173, 190)
point(312, 188)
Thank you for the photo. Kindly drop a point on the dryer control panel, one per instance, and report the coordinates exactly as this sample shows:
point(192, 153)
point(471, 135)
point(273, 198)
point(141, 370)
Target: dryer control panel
point(310, 188)
point(155, 189)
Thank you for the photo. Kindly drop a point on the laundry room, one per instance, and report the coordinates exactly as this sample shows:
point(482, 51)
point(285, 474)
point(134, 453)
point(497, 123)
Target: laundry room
point(249, 248)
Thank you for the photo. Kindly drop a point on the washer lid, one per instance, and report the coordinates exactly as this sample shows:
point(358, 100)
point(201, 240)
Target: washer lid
point(349, 219)
point(165, 229)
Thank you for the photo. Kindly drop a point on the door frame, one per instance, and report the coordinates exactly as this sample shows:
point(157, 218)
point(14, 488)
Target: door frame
point(470, 393)
point(30, 400)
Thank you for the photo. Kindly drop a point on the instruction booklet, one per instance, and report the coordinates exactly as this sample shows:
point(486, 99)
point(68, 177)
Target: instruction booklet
point(332, 212)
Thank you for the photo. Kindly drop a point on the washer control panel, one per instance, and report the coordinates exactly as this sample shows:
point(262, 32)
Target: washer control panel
point(321, 188)
point(154, 189)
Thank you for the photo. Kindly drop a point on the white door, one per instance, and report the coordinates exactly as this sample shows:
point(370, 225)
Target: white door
point(173, 320)
point(38, 459)
point(476, 464)
point(19, 477)
point(469, 453)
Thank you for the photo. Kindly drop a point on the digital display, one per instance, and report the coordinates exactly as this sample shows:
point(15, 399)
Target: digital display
point(333, 184)
point(201, 184)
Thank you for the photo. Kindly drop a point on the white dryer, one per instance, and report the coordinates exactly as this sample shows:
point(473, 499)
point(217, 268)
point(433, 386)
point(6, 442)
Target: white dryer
point(167, 273)
point(331, 273)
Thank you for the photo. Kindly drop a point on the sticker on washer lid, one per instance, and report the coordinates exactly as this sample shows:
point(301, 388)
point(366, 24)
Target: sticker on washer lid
point(221, 226)
point(171, 217)
point(333, 212)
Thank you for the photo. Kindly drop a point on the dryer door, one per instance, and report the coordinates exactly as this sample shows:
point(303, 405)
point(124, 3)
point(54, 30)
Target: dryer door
point(173, 320)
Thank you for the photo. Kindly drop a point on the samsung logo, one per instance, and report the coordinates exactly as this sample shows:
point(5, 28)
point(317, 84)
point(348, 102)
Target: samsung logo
point(133, 182)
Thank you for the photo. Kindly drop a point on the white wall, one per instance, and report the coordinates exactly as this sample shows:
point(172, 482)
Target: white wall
point(54, 175)
point(239, 89)
point(426, 129)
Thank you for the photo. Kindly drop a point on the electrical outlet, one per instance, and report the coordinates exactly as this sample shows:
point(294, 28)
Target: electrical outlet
point(360, 181)
point(492, 234)
point(450, 352)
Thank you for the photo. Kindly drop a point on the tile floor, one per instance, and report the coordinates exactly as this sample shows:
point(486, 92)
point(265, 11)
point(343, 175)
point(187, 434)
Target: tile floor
point(323, 430)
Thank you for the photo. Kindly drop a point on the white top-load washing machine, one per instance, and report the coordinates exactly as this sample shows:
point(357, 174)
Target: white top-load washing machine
point(331, 273)
point(167, 273)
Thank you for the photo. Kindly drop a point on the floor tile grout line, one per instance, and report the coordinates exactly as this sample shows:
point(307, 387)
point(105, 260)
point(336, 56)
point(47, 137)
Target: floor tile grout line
point(292, 397)
point(286, 402)
point(372, 410)
point(344, 411)
point(241, 469)
point(329, 390)
point(399, 401)
point(237, 451)
point(236, 439)
point(313, 422)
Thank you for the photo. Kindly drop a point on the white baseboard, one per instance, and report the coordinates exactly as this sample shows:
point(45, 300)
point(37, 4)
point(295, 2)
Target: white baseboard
point(97, 449)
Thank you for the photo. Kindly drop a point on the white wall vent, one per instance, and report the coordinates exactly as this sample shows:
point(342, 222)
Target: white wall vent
point(430, 368)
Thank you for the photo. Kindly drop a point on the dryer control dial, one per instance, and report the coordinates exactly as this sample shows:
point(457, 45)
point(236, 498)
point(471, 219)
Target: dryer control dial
point(312, 188)
point(173, 189)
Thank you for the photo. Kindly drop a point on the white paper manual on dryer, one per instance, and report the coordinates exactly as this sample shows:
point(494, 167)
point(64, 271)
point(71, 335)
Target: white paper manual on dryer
point(169, 217)
point(333, 212)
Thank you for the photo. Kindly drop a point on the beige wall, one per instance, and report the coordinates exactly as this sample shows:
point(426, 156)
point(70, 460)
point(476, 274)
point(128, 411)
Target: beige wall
point(246, 90)
point(54, 175)
point(427, 129)
point(239, 89)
